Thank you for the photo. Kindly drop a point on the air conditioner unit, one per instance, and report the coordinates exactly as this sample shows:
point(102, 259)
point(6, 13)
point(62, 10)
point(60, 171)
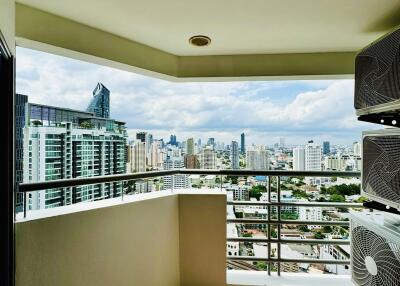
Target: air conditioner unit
point(375, 249)
point(381, 166)
point(377, 80)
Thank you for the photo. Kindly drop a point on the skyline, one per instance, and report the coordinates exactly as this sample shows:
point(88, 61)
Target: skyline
point(301, 110)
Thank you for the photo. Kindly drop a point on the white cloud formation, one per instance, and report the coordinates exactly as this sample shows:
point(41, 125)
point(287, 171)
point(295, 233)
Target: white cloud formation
point(323, 110)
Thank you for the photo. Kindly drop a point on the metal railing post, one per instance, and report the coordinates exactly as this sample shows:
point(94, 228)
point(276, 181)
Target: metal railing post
point(122, 192)
point(278, 195)
point(269, 225)
point(25, 195)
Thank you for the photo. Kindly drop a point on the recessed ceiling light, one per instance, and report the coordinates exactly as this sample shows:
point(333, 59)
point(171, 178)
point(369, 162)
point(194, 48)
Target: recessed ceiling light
point(200, 41)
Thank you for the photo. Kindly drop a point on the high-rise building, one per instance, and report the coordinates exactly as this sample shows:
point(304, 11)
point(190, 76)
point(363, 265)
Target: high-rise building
point(20, 103)
point(138, 160)
point(257, 158)
point(207, 158)
point(357, 149)
point(242, 144)
point(148, 139)
point(172, 140)
point(156, 154)
point(190, 146)
point(281, 142)
point(234, 155)
point(299, 161)
point(191, 162)
point(175, 181)
point(141, 136)
point(211, 142)
point(313, 157)
point(63, 143)
point(100, 103)
point(326, 147)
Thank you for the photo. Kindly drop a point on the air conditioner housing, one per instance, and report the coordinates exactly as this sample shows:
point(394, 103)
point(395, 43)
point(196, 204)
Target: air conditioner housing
point(381, 166)
point(377, 80)
point(375, 249)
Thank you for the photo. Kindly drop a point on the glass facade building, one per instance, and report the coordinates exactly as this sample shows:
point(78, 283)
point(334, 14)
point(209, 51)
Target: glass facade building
point(100, 104)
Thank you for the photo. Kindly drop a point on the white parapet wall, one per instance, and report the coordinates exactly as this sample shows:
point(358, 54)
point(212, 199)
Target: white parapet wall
point(160, 238)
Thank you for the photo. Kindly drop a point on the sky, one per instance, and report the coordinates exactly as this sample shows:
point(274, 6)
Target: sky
point(298, 110)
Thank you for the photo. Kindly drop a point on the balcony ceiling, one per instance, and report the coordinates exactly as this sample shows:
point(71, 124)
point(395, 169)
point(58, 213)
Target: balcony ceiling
point(235, 27)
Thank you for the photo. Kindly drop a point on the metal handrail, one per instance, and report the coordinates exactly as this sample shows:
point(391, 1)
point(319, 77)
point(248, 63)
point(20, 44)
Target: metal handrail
point(287, 222)
point(288, 260)
point(63, 183)
point(289, 241)
point(295, 204)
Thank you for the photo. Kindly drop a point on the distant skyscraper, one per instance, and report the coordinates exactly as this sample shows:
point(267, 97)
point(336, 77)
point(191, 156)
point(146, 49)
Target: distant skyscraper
point(191, 162)
point(156, 154)
point(138, 154)
point(242, 143)
point(148, 139)
point(357, 149)
point(100, 103)
point(190, 146)
point(207, 158)
point(326, 147)
point(211, 142)
point(281, 142)
point(257, 158)
point(141, 136)
point(172, 140)
point(299, 163)
point(234, 155)
point(313, 157)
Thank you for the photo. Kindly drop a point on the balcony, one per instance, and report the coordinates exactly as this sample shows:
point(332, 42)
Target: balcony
point(171, 237)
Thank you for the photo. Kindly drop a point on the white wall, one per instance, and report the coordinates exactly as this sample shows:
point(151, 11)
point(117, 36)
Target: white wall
point(7, 22)
point(166, 240)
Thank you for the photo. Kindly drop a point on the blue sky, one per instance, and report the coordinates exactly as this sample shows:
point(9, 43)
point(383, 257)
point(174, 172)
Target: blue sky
point(264, 110)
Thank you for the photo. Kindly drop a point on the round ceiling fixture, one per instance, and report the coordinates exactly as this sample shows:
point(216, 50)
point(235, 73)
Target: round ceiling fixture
point(200, 41)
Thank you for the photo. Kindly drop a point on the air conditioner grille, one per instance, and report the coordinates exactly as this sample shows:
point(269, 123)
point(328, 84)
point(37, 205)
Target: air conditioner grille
point(368, 247)
point(377, 74)
point(381, 167)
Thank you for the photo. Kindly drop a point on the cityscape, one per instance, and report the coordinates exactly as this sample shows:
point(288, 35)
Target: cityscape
point(59, 143)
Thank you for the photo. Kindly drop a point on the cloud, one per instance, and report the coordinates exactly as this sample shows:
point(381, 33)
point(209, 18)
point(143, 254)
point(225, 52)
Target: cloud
point(298, 110)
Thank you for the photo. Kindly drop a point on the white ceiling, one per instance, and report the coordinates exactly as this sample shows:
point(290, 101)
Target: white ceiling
point(235, 26)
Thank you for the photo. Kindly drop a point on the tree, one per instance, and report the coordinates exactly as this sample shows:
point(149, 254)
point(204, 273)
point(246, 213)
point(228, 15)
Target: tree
point(289, 215)
point(319, 235)
point(256, 192)
point(261, 265)
point(299, 194)
point(327, 229)
point(337, 198)
point(86, 125)
point(37, 123)
point(233, 179)
point(304, 228)
point(362, 199)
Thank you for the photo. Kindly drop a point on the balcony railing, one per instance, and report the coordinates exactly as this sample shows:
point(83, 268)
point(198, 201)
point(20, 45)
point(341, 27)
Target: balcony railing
point(269, 204)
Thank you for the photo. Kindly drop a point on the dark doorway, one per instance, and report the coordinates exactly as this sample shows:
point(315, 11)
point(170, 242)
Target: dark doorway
point(7, 183)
